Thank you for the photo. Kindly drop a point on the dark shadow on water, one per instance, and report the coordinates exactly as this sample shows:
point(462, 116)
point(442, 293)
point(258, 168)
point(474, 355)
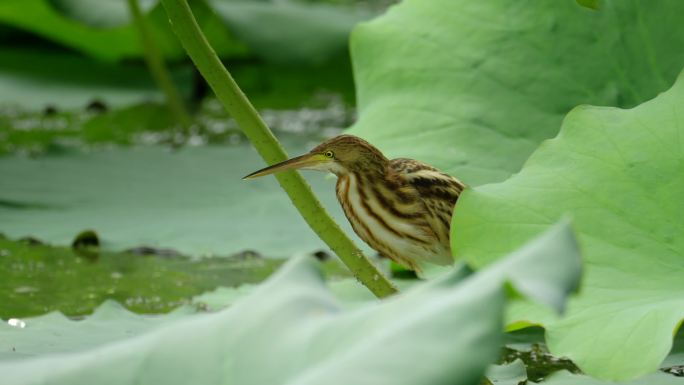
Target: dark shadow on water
point(19, 205)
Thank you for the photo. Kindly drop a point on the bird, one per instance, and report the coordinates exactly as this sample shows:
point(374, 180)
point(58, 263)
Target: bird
point(400, 207)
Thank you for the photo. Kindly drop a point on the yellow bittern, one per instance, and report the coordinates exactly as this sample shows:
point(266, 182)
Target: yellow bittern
point(401, 207)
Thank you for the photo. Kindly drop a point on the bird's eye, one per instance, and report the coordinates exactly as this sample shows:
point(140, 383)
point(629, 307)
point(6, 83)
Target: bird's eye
point(328, 154)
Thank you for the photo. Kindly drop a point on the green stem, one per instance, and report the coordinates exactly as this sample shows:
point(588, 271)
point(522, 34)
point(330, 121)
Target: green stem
point(156, 66)
point(239, 107)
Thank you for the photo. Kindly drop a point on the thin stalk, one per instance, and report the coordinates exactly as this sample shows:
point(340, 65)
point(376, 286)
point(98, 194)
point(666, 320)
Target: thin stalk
point(156, 66)
point(239, 107)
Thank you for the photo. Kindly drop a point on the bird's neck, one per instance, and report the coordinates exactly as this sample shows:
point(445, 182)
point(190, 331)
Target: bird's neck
point(373, 171)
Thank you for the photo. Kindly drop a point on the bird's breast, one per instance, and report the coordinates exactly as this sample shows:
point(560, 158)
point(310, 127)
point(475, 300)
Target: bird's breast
point(398, 235)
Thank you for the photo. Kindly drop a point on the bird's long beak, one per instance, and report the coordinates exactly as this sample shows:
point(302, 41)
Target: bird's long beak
point(299, 162)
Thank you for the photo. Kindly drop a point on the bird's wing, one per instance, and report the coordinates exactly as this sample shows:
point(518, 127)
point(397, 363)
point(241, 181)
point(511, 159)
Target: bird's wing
point(438, 192)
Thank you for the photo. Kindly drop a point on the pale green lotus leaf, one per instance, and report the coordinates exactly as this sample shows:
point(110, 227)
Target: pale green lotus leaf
point(292, 330)
point(508, 374)
point(566, 378)
point(473, 87)
point(618, 174)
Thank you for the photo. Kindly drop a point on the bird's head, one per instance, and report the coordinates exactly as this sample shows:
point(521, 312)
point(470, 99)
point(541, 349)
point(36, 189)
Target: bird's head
point(339, 155)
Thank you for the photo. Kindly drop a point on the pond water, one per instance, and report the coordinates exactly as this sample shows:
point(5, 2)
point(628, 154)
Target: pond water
point(189, 198)
point(145, 187)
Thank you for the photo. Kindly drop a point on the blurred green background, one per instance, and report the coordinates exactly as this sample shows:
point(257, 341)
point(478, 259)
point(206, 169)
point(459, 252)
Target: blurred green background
point(89, 143)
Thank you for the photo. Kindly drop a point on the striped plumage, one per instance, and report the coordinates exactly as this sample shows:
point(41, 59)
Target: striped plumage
point(401, 207)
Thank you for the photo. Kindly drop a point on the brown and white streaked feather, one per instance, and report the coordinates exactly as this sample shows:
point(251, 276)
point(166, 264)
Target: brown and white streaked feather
point(402, 207)
point(438, 193)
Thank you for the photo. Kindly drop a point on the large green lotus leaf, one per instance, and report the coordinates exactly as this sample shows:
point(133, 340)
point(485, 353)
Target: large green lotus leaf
point(566, 378)
point(290, 31)
point(192, 200)
point(291, 330)
point(618, 173)
point(473, 87)
point(41, 18)
point(38, 278)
